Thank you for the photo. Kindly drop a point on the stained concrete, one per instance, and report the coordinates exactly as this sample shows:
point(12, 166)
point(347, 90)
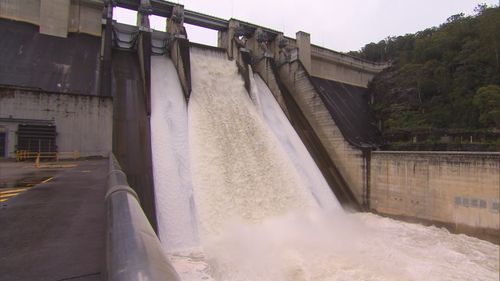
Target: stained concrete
point(55, 231)
point(131, 129)
point(31, 59)
point(83, 123)
point(349, 107)
point(459, 190)
point(348, 159)
point(54, 17)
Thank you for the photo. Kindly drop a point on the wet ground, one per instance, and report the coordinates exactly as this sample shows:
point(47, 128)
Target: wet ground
point(52, 228)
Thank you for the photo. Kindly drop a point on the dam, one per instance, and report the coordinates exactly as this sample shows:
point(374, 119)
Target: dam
point(253, 160)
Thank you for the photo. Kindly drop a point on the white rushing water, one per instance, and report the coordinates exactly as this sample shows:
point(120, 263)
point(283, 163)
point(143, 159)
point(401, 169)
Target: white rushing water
point(257, 197)
point(240, 171)
point(290, 141)
point(170, 146)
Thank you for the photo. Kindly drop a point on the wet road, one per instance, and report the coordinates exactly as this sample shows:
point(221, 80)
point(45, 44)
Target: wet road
point(55, 230)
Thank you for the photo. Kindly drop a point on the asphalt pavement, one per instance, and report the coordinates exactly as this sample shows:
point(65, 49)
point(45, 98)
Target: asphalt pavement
point(54, 228)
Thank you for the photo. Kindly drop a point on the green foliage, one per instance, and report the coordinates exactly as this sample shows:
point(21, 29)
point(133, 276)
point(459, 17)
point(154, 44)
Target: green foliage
point(487, 100)
point(443, 77)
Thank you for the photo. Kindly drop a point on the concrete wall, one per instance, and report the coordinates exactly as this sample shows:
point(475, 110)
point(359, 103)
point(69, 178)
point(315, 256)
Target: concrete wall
point(349, 160)
point(332, 65)
point(318, 61)
point(26, 10)
point(459, 189)
point(56, 17)
point(53, 64)
point(331, 70)
point(85, 17)
point(83, 123)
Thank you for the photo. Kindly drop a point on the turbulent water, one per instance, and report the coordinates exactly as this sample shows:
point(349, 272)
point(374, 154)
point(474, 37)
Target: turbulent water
point(290, 141)
point(239, 169)
point(170, 146)
point(263, 210)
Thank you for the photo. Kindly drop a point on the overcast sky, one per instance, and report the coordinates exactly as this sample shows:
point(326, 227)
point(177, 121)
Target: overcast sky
point(339, 25)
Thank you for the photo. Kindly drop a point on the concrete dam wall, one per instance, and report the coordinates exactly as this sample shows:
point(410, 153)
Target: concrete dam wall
point(455, 189)
point(98, 84)
point(76, 117)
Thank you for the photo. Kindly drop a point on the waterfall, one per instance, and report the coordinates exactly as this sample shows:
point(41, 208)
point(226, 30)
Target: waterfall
point(290, 141)
point(171, 167)
point(240, 171)
point(234, 182)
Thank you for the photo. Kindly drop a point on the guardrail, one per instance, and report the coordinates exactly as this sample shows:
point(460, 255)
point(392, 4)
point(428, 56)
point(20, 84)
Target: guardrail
point(133, 251)
point(22, 155)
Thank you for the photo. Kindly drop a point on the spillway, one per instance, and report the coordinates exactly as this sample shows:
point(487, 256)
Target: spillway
point(240, 170)
point(171, 167)
point(290, 141)
point(232, 178)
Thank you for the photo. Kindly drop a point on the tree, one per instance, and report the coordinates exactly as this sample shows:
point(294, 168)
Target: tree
point(487, 101)
point(441, 77)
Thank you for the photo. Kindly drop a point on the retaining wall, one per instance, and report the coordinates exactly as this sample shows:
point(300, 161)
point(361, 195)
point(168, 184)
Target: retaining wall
point(458, 189)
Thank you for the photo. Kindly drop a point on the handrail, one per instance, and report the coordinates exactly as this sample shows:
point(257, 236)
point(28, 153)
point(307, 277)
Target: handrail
point(133, 251)
point(22, 155)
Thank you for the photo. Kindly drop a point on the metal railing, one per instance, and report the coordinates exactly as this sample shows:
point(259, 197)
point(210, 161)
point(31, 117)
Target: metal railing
point(22, 155)
point(133, 251)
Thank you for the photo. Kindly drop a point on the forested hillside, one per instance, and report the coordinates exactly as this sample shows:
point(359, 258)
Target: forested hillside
point(445, 81)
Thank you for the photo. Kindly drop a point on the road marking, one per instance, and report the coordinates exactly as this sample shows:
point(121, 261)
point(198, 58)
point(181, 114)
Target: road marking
point(47, 180)
point(14, 190)
point(3, 195)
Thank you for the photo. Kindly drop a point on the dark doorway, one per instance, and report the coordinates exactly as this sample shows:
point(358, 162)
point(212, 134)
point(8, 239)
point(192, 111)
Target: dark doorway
point(2, 144)
point(36, 138)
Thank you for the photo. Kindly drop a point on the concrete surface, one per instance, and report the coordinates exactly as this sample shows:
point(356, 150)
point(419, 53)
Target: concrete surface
point(303, 41)
point(347, 158)
point(319, 62)
point(458, 189)
point(83, 123)
point(31, 59)
point(131, 129)
point(55, 230)
point(26, 10)
point(349, 107)
point(54, 17)
point(86, 17)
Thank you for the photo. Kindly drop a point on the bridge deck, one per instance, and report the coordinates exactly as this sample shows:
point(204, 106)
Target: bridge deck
point(54, 230)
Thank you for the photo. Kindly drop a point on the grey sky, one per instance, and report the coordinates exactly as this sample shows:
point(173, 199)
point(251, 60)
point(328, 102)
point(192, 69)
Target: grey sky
point(338, 25)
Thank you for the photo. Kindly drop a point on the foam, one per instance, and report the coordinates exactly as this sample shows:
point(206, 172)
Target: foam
point(171, 169)
point(295, 149)
point(239, 169)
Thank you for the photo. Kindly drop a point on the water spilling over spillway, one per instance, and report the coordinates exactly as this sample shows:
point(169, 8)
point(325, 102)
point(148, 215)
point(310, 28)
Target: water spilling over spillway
point(233, 179)
point(171, 171)
point(239, 168)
